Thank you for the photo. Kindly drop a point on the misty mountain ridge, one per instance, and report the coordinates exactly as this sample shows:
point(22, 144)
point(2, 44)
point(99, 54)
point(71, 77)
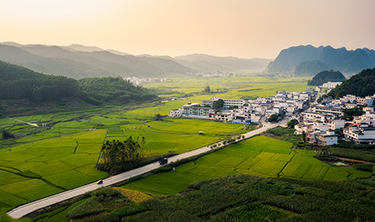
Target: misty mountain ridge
point(78, 61)
point(309, 60)
point(208, 63)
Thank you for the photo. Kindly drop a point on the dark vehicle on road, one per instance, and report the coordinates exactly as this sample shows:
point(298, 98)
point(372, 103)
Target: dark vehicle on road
point(163, 161)
point(99, 182)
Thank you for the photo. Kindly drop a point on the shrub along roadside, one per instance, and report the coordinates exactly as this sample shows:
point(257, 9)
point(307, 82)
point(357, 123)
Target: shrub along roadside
point(89, 207)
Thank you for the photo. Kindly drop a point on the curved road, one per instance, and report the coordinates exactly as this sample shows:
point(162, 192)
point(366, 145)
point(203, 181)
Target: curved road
point(25, 209)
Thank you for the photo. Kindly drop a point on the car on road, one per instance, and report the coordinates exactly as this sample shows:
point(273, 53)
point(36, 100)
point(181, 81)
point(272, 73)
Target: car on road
point(99, 182)
point(163, 161)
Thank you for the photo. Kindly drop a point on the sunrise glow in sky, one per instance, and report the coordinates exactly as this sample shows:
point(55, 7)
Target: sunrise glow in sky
point(240, 28)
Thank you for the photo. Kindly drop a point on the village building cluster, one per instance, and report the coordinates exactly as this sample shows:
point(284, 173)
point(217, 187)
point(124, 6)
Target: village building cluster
point(325, 119)
point(213, 74)
point(139, 81)
point(248, 111)
point(322, 123)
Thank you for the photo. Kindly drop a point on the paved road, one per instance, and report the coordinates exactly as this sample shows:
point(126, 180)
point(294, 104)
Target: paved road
point(32, 206)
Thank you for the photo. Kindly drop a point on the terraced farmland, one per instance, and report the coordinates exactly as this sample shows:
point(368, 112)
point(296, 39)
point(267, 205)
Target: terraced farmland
point(65, 156)
point(39, 169)
point(261, 156)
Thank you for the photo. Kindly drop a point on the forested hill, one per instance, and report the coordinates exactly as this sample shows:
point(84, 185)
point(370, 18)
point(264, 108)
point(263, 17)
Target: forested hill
point(17, 82)
point(109, 89)
point(361, 85)
point(326, 76)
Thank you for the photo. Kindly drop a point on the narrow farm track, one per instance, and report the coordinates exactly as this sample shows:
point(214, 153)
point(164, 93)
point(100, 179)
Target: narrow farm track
point(353, 160)
point(31, 124)
point(25, 209)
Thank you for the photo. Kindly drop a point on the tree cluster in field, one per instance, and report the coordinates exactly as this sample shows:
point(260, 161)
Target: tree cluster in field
point(5, 134)
point(17, 82)
point(273, 118)
point(350, 113)
point(252, 198)
point(218, 104)
point(118, 156)
point(360, 85)
point(326, 76)
point(292, 123)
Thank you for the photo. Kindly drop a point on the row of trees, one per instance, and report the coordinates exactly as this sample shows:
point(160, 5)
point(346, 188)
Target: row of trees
point(118, 156)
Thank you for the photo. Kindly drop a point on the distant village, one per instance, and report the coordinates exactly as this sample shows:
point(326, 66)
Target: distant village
point(213, 74)
point(320, 122)
point(139, 81)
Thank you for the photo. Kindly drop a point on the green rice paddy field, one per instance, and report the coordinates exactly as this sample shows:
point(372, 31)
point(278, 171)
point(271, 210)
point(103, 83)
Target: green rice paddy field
point(65, 156)
point(236, 87)
point(261, 156)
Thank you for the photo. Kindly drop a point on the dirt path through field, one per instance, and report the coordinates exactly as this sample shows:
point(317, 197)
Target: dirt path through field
point(32, 124)
point(353, 160)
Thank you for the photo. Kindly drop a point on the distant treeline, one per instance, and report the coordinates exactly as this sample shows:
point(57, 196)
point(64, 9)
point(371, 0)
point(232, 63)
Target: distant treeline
point(17, 82)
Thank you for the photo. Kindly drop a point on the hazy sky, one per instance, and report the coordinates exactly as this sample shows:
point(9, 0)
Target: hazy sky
point(241, 28)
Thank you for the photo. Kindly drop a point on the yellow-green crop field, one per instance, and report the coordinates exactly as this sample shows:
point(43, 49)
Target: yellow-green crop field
point(34, 170)
point(261, 156)
point(235, 87)
point(65, 156)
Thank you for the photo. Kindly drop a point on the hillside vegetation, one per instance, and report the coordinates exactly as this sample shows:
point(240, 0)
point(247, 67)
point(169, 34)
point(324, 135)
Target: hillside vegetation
point(326, 76)
point(232, 198)
point(21, 83)
point(361, 85)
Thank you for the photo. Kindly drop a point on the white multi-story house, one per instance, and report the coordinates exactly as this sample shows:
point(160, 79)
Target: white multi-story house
point(323, 109)
point(336, 123)
point(227, 102)
point(362, 119)
point(330, 85)
point(233, 102)
point(271, 111)
point(290, 110)
point(255, 118)
point(350, 98)
point(321, 126)
point(175, 113)
point(322, 138)
point(224, 116)
point(360, 135)
point(196, 110)
point(327, 138)
point(368, 100)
